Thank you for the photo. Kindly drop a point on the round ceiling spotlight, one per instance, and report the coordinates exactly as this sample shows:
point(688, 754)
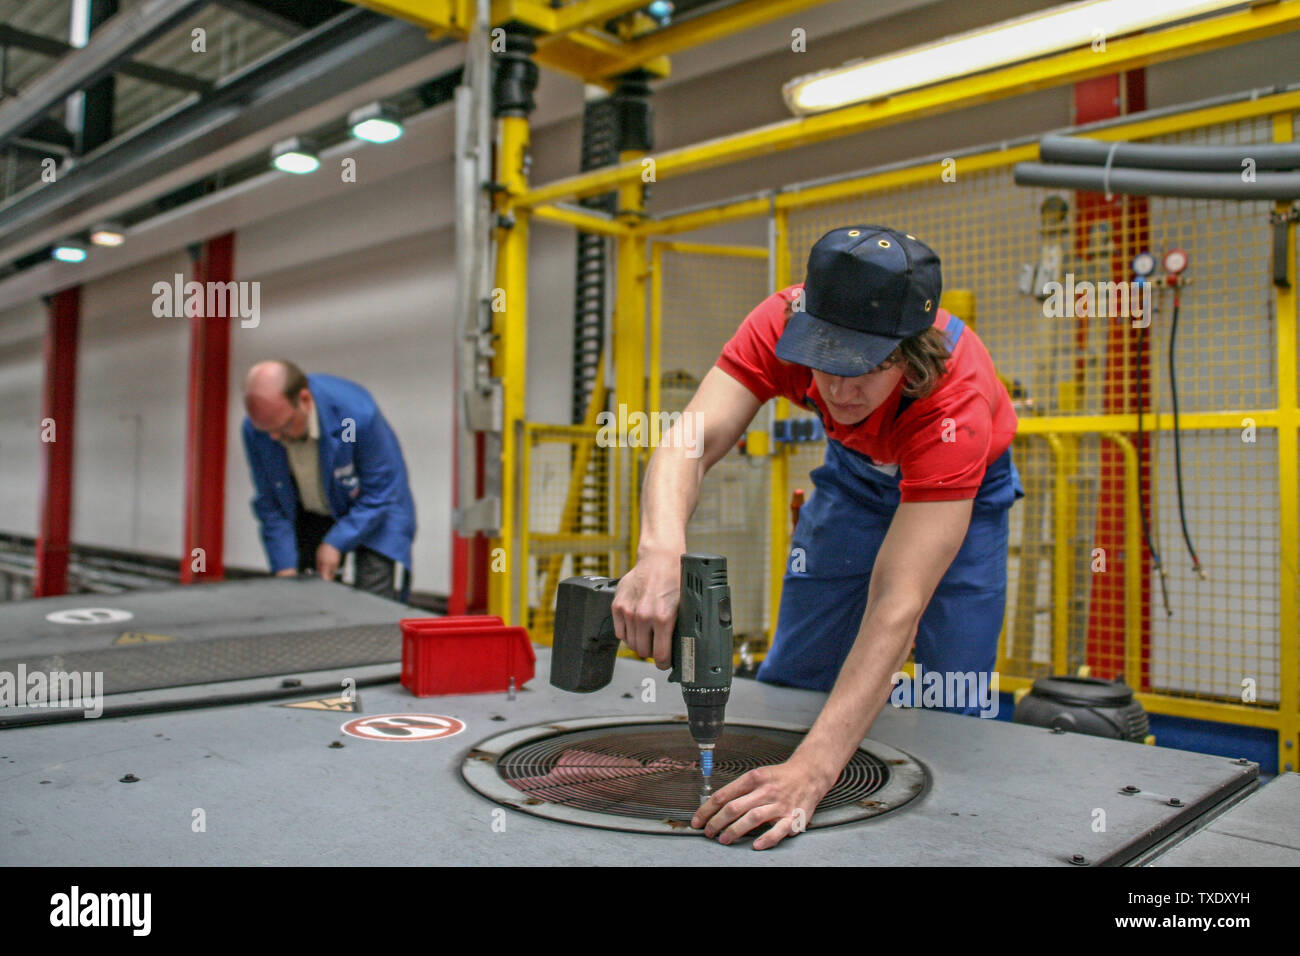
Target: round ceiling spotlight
point(295, 155)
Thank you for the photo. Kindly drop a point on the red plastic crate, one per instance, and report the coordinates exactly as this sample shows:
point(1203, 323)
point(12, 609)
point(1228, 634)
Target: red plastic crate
point(470, 654)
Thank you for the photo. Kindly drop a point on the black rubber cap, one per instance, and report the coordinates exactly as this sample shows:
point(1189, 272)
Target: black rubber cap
point(1083, 691)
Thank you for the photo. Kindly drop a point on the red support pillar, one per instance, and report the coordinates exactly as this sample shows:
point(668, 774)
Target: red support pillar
point(64, 318)
point(205, 440)
point(470, 558)
point(1125, 384)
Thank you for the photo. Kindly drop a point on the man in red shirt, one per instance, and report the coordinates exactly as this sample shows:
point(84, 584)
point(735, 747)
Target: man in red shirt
point(904, 538)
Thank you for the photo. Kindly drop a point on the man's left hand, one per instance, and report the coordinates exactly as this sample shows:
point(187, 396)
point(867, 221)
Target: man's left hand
point(327, 561)
point(784, 795)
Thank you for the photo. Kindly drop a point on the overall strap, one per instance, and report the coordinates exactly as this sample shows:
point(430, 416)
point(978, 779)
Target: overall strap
point(955, 328)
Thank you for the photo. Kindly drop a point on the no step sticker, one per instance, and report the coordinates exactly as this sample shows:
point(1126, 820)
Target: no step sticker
point(403, 727)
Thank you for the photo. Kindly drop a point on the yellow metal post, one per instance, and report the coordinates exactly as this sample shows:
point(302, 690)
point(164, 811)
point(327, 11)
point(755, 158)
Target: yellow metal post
point(630, 340)
point(961, 303)
point(1132, 563)
point(1062, 559)
point(656, 326)
point(511, 362)
point(524, 452)
point(1288, 458)
point(779, 467)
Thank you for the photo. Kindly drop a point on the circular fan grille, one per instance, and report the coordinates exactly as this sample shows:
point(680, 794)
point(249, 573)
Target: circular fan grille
point(646, 776)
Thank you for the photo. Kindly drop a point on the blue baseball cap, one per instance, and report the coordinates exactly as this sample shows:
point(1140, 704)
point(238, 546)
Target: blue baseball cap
point(868, 288)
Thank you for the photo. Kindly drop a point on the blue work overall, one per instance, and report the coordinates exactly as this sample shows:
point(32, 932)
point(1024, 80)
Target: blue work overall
point(835, 544)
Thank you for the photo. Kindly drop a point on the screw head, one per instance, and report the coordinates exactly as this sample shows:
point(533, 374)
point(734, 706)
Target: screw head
point(336, 745)
point(1175, 802)
point(129, 778)
point(291, 682)
point(1132, 789)
point(1078, 859)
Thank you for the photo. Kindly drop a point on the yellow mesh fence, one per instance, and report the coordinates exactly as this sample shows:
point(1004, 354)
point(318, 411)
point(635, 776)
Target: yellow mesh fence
point(704, 293)
point(1068, 606)
point(1046, 279)
point(576, 505)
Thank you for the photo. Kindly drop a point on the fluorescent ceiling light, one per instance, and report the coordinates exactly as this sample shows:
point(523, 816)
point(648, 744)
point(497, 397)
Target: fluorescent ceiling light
point(296, 155)
point(376, 123)
point(1024, 38)
point(69, 250)
point(107, 234)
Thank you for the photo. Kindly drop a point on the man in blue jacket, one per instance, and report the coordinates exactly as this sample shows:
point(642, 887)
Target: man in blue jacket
point(329, 476)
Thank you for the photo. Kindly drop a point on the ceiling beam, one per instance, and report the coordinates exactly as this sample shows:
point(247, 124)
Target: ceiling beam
point(48, 46)
point(111, 45)
point(290, 17)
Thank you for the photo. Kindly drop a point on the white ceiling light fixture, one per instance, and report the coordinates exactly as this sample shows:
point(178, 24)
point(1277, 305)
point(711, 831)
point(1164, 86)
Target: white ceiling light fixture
point(1014, 41)
point(376, 123)
point(296, 155)
point(108, 234)
point(69, 250)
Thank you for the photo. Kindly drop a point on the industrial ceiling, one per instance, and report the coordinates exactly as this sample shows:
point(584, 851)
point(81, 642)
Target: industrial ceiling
point(167, 71)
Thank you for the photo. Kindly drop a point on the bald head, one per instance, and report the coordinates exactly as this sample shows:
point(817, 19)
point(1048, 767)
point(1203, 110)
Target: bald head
point(277, 399)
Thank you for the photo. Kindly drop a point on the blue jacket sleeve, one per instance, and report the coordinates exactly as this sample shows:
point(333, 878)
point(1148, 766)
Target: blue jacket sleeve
point(377, 460)
point(279, 537)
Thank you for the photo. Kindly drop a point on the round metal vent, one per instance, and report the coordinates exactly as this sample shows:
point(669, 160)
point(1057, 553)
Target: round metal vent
point(621, 773)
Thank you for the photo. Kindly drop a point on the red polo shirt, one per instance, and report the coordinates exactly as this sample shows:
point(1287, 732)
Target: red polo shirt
point(940, 445)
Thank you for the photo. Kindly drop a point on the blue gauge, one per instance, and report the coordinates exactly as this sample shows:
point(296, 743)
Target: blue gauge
point(1144, 263)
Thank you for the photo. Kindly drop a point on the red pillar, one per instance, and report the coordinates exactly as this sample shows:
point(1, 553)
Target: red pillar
point(470, 557)
point(1124, 384)
point(64, 318)
point(205, 440)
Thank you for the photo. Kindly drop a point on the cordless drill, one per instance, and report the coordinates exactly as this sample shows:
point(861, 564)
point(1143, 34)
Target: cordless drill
point(584, 649)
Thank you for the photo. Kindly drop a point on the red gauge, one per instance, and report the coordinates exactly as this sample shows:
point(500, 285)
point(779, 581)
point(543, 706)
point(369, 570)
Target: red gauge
point(1175, 261)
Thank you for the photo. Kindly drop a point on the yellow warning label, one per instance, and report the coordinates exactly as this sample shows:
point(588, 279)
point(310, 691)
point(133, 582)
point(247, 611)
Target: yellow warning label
point(140, 637)
point(347, 704)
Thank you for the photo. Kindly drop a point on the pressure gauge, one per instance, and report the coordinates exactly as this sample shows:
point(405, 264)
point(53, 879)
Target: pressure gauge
point(1175, 261)
point(1144, 264)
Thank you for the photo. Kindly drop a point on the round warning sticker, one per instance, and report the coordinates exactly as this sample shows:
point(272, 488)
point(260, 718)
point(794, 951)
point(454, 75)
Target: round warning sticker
point(407, 727)
point(89, 615)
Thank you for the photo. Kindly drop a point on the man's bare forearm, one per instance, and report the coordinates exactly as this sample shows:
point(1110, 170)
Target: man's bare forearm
point(860, 692)
point(668, 499)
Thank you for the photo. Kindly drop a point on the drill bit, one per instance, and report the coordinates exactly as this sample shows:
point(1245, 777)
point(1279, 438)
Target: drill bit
point(706, 771)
